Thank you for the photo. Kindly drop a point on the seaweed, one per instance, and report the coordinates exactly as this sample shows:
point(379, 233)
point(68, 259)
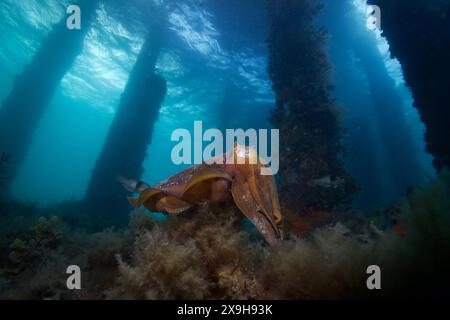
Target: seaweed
point(25, 252)
point(45, 276)
point(426, 217)
point(211, 253)
point(193, 257)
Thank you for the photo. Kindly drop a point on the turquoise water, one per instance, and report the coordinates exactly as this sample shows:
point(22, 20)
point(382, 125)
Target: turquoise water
point(208, 50)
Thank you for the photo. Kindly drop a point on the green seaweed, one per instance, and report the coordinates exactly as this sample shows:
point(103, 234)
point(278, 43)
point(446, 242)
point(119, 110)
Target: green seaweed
point(25, 252)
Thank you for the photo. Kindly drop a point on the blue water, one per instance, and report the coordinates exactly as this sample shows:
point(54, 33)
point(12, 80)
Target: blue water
point(212, 46)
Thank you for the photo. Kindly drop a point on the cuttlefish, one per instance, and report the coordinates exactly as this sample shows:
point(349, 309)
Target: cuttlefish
point(233, 176)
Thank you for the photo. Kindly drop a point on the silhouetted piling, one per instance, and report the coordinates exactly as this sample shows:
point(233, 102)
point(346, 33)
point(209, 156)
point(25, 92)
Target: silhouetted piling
point(33, 89)
point(352, 34)
point(361, 137)
point(419, 36)
point(129, 135)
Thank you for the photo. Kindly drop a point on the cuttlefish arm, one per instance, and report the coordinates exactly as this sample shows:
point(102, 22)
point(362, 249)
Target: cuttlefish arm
point(256, 196)
point(247, 205)
point(264, 190)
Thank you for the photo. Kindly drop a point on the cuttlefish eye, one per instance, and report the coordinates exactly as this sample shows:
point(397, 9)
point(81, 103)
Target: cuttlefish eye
point(245, 154)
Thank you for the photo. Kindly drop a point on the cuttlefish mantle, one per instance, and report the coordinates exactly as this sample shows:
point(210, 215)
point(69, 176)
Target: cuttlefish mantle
point(217, 181)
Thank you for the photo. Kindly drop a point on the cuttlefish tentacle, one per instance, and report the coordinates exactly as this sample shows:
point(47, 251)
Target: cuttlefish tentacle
point(254, 194)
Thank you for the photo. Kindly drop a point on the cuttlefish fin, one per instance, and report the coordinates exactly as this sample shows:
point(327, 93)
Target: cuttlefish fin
point(249, 207)
point(157, 200)
point(134, 202)
point(181, 191)
point(207, 172)
point(172, 205)
point(179, 184)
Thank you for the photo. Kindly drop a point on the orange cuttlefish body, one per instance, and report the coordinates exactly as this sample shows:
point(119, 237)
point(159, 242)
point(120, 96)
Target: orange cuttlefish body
point(235, 175)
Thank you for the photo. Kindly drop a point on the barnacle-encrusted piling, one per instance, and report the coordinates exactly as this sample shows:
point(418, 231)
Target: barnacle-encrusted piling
point(311, 171)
